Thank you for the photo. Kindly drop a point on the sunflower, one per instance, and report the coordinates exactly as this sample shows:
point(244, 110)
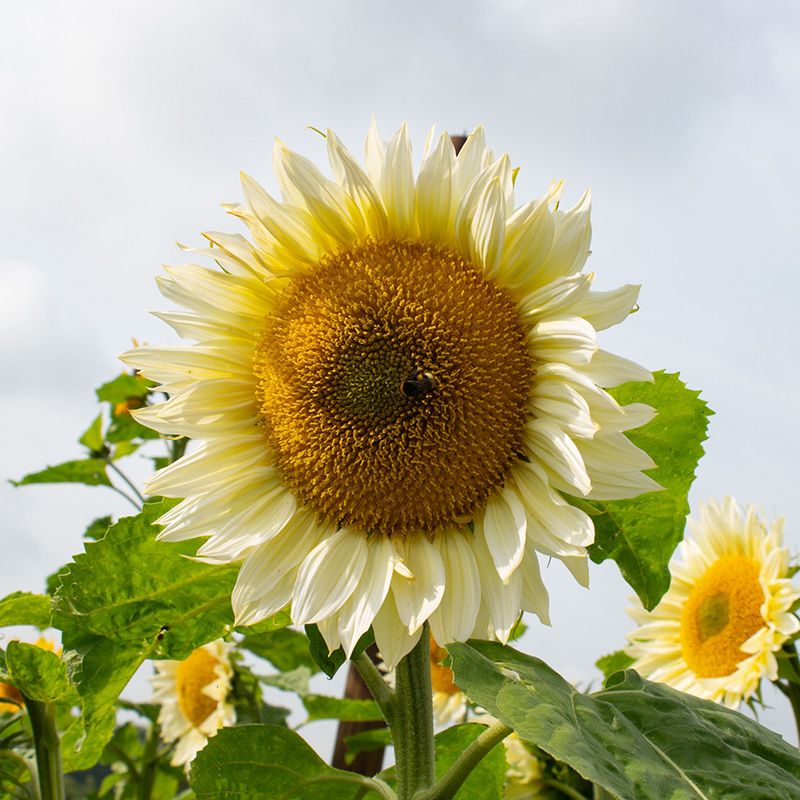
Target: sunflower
point(193, 695)
point(392, 384)
point(524, 774)
point(727, 612)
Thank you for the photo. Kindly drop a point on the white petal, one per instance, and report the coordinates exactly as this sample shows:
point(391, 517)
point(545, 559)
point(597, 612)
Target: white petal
point(374, 153)
point(565, 406)
point(358, 186)
point(487, 231)
point(529, 236)
point(434, 192)
point(604, 309)
point(328, 576)
point(419, 596)
point(391, 635)
point(266, 580)
point(565, 339)
point(454, 619)
point(614, 452)
point(608, 370)
point(559, 296)
point(534, 593)
point(357, 613)
point(558, 452)
point(397, 184)
point(503, 600)
point(504, 526)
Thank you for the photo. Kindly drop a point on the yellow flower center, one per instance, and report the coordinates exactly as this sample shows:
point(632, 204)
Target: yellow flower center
point(393, 382)
point(441, 676)
point(722, 612)
point(191, 677)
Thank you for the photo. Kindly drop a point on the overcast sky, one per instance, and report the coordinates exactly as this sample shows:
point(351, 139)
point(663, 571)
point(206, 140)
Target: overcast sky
point(123, 127)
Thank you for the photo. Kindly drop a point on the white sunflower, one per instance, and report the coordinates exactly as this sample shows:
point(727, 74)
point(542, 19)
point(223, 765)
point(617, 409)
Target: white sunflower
point(391, 385)
point(727, 612)
point(193, 695)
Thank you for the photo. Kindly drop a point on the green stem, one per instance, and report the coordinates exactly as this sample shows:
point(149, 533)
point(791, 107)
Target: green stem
point(48, 749)
point(465, 763)
point(567, 791)
point(149, 763)
point(411, 721)
point(126, 479)
point(127, 497)
point(376, 683)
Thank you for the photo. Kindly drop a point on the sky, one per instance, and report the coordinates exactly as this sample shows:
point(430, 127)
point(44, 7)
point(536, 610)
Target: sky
point(125, 125)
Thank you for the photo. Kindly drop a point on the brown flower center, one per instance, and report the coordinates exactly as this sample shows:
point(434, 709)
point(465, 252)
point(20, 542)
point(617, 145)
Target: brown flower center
point(393, 381)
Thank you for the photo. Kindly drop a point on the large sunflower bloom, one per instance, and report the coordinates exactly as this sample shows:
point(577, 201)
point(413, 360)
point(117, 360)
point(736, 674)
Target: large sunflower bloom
point(727, 612)
point(391, 385)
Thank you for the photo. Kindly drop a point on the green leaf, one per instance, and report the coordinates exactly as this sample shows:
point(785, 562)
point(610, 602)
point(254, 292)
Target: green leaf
point(93, 436)
point(124, 428)
point(485, 782)
point(295, 680)
point(128, 598)
point(366, 741)
point(39, 674)
point(641, 534)
point(124, 448)
point(123, 387)
point(130, 588)
point(25, 608)
point(638, 740)
point(89, 471)
point(328, 662)
point(284, 648)
point(267, 762)
point(98, 527)
point(348, 710)
point(617, 661)
point(279, 620)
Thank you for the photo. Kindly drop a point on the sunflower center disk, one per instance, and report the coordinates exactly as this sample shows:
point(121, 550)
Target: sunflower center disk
point(722, 612)
point(191, 677)
point(393, 382)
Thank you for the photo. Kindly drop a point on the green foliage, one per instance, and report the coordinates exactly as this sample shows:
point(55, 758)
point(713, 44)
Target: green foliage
point(131, 589)
point(637, 740)
point(128, 598)
point(88, 471)
point(266, 762)
point(617, 661)
point(124, 387)
point(322, 707)
point(641, 533)
point(92, 438)
point(485, 782)
point(328, 662)
point(98, 527)
point(284, 648)
point(25, 608)
point(39, 674)
point(365, 741)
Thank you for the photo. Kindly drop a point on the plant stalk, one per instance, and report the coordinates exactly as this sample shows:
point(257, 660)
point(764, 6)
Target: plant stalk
point(412, 721)
point(47, 746)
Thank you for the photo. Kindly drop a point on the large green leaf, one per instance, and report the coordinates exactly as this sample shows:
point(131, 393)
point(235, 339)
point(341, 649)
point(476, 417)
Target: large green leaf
point(617, 661)
point(89, 471)
point(128, 598)
point(267, 762)
point(485, 782)
point(636, 739)
point(641, 534)
point(39, 674)
point(124, 387)
point(25, 608)
point(130, 588)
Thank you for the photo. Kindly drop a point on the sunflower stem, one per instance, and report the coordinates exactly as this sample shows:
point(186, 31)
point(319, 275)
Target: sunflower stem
point(47, 746)
point(792, 690)
point(411, 721)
